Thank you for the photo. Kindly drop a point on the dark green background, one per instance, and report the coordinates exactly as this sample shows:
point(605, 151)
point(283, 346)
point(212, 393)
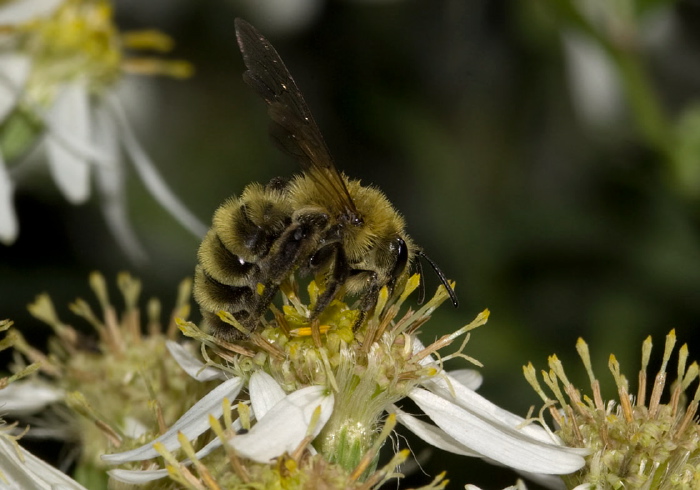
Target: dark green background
point(461, 112)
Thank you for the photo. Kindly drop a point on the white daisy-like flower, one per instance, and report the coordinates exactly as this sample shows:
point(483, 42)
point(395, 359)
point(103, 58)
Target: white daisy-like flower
point(283, 419)
point(335, 394)
point(61, 62)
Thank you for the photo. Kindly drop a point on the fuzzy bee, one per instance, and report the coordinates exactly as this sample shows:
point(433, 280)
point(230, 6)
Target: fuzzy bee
point(319, 222)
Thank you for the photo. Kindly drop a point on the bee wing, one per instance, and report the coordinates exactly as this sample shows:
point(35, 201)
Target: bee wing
point(293, 127)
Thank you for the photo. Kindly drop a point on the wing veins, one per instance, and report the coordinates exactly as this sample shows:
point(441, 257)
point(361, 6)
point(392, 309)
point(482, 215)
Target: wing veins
point(293, 128)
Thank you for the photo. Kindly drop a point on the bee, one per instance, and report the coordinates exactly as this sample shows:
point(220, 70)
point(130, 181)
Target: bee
point(319, 222)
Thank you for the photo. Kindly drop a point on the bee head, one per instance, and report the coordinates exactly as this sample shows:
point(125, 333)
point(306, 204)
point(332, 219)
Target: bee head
point(400, 250)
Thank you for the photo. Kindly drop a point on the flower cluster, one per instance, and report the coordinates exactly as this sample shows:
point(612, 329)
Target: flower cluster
point(61, 61)
point(100, 393)
point(635, 442)
point(317, 391)
point(298, 404)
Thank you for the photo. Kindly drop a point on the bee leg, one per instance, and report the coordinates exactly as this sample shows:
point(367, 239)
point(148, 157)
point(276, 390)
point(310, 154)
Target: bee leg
point(339, 274)
point(369, 298)
point(286, 255)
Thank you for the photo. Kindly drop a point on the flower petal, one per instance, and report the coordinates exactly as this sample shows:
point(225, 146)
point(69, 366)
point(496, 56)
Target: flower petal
point(15, 70)
point(471, 378)
point(28, 396)
point(193, 423)
point(144, 476)
point(191, 365)
point(22, 470)
point(69, 128)
point(265, 393)
point(150, 176)
point(455, 392)
point(133, 428)
point(520, 485)
point(284, 427)
point(8, 217)
point(111, 185)
point(496, 440)
point(137, 477)
point(596, 92)
point(431, 434)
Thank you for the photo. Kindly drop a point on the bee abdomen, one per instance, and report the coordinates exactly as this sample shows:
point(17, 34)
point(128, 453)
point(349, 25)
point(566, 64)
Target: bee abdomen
point(213, 296)
point(223, 265)
point(248, 226)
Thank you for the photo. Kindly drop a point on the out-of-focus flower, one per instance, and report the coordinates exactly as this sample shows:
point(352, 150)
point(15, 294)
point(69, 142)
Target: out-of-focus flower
point(321, 388)
point(285, 16)
point(100, 394)
point(60, 64)
point(633, 443)
point(21, 470)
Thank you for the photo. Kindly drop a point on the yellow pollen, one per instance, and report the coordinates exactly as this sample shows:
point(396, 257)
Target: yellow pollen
point(307, 331)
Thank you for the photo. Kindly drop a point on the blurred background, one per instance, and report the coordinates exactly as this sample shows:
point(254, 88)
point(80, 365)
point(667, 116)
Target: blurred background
point(545, 154)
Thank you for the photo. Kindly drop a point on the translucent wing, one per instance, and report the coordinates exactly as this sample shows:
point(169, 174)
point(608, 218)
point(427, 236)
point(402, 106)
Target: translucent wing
point(293, 127)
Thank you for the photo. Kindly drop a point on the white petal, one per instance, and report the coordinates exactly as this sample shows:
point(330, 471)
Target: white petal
point(518, 486)
point(14, 70)
point(150, 176)
point(285, 425)
point(284, 16)
point(28, 396)
point(191, 365)
point(111, 185)
point(144, 476)
point(471, 378)
point(265, 393)
point(137, 477)
point(494, 439)
point(193, 423)
point(21, 11)
point(551, 482)
point(69, 130)
point(24, 471)
point(432, 435)
point(8, 218)
point(133, 428)
point(595, 88)
point(455, 392)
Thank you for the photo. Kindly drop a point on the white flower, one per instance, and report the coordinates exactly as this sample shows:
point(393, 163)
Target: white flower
point(283, 420)
point(467, 424)
point(21, 470)
point(70, 95)
point(28, 396)
point(471, 425)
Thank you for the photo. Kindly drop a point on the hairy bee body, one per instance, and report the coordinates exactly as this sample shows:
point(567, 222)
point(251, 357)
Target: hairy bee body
point(319, 222)
point(272, 231)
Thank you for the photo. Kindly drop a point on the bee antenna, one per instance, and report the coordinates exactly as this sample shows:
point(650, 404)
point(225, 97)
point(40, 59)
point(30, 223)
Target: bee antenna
point(441, 276)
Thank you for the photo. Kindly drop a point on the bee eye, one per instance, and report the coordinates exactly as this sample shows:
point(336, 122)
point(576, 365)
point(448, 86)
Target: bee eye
point(401, 250)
